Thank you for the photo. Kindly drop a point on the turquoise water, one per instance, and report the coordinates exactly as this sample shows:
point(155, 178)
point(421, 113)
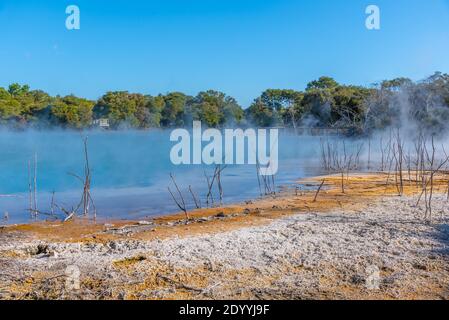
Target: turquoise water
point(130, 171)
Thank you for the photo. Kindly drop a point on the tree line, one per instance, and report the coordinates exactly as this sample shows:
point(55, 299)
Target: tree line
point(324, 103)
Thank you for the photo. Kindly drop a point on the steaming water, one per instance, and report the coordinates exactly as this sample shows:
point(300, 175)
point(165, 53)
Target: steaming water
point(130, 171)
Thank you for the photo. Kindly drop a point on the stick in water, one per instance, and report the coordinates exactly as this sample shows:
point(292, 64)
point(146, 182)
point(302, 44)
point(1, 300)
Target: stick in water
point(319, 189)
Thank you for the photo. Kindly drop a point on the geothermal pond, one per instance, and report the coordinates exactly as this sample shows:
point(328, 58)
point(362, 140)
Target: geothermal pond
point(130, 172)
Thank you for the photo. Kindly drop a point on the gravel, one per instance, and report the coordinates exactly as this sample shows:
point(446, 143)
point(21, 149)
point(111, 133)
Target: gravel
point(296, 252)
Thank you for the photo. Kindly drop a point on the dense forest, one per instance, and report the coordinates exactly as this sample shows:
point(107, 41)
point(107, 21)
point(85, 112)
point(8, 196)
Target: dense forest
point(324, 103)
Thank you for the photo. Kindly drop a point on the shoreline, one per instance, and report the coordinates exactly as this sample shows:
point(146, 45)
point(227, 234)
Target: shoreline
point(272, 248)
point(273, 207)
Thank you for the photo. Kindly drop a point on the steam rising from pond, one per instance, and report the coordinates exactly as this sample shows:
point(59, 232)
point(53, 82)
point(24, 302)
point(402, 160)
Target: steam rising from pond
point(130, 169)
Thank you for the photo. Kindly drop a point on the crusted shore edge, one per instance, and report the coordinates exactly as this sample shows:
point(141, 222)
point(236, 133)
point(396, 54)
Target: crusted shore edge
point(366, 243)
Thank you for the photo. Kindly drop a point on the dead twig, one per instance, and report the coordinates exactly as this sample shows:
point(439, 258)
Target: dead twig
point(179, 285)
point(195, 198)
point(181, 204)
point(319, 189)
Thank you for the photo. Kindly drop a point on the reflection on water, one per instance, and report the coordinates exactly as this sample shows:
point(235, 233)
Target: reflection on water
point(130, 171)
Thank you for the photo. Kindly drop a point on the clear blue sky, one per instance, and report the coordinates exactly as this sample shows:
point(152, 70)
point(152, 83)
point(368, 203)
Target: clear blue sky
point(240, 47)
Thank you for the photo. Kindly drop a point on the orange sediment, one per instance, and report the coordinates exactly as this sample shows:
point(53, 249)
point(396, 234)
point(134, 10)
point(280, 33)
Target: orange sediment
point(360, 190)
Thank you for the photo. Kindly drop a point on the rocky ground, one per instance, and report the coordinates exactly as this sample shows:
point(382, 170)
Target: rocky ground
point(383, 250)
point(301, 256)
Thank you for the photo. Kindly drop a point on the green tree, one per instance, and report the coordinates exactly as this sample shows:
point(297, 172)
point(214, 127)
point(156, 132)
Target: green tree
point(349, 107)
point(277, 107)
point(119, 107)
point(72, 112)
point(136, 110)
point(322, 83)
point(174, 108)
point(259, 114)
point(9, 107)
point(143, 116)
point(16, 89)
point(317, 103)
point(215, 108)
point(396, 84)
point(319, 99)
point(285, 104)
point(19, 102)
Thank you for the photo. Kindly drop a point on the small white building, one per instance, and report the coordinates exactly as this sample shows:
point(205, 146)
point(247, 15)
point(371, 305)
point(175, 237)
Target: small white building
point(102, 123)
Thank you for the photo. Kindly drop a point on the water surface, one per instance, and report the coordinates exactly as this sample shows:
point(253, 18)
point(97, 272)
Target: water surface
point(130, 171)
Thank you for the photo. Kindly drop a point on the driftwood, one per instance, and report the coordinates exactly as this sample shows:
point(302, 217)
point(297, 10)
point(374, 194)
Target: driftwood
point(428, 179)
point(87, 198)
point(86, 202)
point(210, 184)
point(319, 189)
point(69, 214)
point(32, 188)
point(269, 184)
point(195, 198)
point(178, 284)
point(399, 157)
point(180, 203)
point(52, 205)
point(258, 180)
point(336, 158)
point(219, 186)
point(35, 182)
point(209, 188)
